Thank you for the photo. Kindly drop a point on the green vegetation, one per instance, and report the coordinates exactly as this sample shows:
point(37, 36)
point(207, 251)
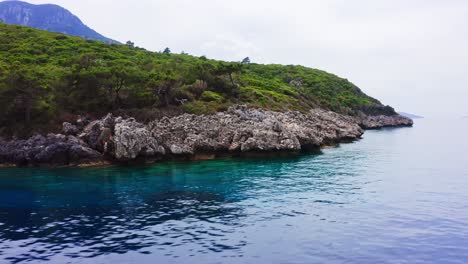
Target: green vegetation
point(46, 77)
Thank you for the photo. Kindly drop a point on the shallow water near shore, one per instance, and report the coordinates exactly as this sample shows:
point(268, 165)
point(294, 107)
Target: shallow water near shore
point(396, 196)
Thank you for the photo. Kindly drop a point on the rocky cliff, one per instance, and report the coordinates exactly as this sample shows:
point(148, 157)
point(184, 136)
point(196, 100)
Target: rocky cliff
point(238, 130)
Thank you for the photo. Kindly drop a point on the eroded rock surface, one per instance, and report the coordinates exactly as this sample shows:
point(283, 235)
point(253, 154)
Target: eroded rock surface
point(242, 130)
point(374, 122)
point(48, 150)
point(132, 139)
point(237, 130)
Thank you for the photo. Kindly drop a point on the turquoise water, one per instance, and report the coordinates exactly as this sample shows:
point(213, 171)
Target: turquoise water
point(397, 196)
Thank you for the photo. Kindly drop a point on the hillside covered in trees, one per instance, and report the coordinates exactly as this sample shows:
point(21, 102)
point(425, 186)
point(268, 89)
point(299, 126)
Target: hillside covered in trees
point(46, 78)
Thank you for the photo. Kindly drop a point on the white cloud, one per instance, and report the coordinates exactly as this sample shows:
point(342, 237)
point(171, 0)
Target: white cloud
point(230, 47)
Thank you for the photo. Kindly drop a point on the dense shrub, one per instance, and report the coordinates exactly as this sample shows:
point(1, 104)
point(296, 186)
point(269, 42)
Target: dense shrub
point(44, 75)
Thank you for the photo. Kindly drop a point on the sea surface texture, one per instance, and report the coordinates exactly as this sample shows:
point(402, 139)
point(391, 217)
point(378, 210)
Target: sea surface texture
point(397, 196)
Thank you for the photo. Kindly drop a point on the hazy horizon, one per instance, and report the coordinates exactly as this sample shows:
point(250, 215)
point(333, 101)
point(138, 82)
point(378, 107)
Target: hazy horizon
point(410, 55)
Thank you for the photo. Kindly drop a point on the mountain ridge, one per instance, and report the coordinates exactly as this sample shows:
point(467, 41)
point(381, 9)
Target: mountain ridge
point(48, 17)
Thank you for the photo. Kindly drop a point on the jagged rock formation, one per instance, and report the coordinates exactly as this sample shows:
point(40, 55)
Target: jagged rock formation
point(237, 130)
point(379, 121)
point(132, 139)
point(50, 150)
point(242, 130)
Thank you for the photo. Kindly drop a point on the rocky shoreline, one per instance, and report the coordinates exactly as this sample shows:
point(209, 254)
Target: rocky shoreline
point(236, 131)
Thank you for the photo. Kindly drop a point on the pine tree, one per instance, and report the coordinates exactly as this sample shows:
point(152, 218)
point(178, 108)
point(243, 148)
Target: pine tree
point(246, 60)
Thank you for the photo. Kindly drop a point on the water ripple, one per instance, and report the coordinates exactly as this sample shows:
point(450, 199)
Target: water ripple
point(367, 202)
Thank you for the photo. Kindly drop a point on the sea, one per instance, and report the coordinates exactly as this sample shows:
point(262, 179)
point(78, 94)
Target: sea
point(399, 195)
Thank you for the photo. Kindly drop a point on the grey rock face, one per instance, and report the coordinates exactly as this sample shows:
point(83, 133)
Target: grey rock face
point(50, 150)
point(69, 129)
point(242, 130)
point(81, 122)
point(98, 134)
point(108, 121)
point(374, 122)
point(80, 151)
point(237, 130)
point(132, 139)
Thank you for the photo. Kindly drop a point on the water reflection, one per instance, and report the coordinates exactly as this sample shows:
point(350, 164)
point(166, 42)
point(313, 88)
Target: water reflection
point(85, 213)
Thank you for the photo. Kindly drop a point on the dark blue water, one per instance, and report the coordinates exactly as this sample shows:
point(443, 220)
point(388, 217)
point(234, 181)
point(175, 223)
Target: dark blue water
point(397, 196)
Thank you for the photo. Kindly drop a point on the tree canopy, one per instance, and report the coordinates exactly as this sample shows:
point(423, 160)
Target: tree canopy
point(45, 76)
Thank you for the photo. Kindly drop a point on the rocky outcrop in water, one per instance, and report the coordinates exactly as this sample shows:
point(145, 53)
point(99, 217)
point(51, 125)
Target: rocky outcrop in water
point(237, 130)
point(51, 149)
point(374, 122)
point(244, 130)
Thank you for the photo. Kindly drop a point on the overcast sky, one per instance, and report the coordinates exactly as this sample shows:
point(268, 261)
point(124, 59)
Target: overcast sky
point(411, 54)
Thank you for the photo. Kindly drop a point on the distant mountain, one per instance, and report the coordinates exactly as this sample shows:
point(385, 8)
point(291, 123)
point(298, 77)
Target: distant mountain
point(47, 17)
point(412, 116)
